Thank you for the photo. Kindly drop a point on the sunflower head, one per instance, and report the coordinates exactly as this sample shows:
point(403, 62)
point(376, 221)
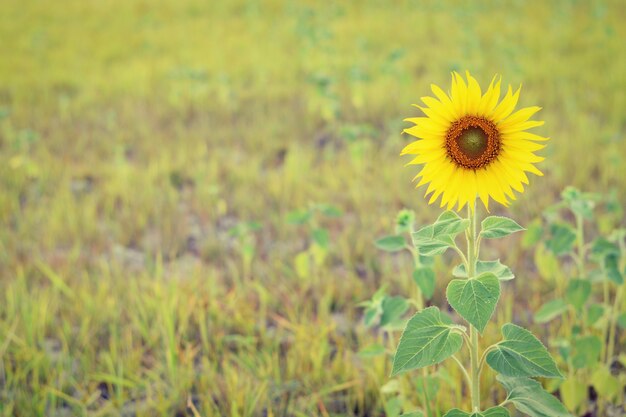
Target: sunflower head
point(473, 145)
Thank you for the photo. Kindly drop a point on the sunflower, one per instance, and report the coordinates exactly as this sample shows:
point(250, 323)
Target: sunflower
point(472, 145)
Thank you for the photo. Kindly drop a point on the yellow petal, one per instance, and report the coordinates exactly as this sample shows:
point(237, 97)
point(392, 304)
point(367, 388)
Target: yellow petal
point(421, 146)
point(519, 117)
point(491, 97)
point(473, 94)
point(521, 126)
point(506, 106)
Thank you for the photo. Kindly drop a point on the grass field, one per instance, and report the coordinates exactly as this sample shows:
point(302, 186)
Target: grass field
point(157, 160)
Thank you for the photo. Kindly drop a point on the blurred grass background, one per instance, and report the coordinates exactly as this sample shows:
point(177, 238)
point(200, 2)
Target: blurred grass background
point(135, 135)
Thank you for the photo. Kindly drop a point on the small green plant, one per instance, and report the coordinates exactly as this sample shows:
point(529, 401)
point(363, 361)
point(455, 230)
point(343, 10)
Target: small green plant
point(315, 253)
point(243, 233)
point(588, 279)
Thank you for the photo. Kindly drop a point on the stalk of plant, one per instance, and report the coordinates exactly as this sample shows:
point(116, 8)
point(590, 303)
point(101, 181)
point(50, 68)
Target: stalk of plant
point(472, 146)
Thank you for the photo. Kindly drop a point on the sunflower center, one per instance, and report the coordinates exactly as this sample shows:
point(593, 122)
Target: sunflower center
point(473, 142)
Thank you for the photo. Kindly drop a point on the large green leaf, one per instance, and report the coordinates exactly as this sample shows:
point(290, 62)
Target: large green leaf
point(550, 310)
point(528, 396)
point(521, 354)
point(424, 277)
point(393, 243)
point(501, 271)
point(578, 291)
point(492, 412)
point(496, 226)
point(475, 299)
point(429, 338)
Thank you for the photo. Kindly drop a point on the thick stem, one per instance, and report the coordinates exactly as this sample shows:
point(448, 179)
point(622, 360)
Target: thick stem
point(471, 272)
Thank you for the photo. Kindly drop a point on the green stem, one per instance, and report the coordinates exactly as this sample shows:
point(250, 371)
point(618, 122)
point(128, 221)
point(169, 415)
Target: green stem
point(471, 272)
point(468, 379)
point(425, 392)
point(581, 246)
point(419, 299)
point(483, 358)
point(605, 330)
point(614, 313)
point(581, 259)
point(616, 307)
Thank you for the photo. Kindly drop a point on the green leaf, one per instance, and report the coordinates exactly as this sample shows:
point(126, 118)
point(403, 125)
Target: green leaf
point(528, 396)
point(496, 226)
point(428, 244)
point(501, 271)
point(449, 223)
point(393, 243)
point(521, 354)
point(424, 277)
point(393, 406)
point(391, 387)
point(550, 310)
point(578, 291)
point(533, 234)
point(404, 221)
point(302, 264)
point(573, 393)
point(475, 299)
point(329, 210)
point(601, 247)
point(562, 239)
point(605, 383)
point(611, 267)
point(594, 313)
point(436, 238)
point(298, 216)
point(393, 308)
point(581, 204)
point(429, 338)
point(371, 314)
point(491, 412)
point(621, 320)
point(320, 236)
point(586, 351)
